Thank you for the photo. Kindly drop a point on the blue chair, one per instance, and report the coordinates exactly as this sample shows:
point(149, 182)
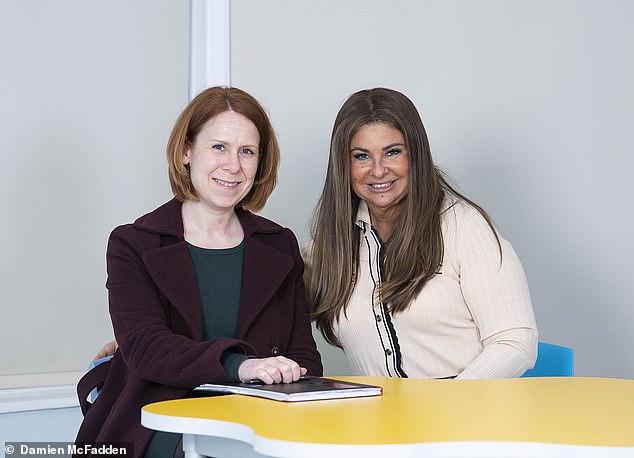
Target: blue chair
point(552, 361)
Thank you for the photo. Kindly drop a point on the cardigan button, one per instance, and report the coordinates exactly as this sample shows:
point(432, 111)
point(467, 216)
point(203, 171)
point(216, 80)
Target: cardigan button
point(388, 352)
point(378, 318)
point(275, 351)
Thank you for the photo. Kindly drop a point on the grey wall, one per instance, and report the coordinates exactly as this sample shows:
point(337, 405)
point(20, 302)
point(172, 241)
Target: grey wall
point(530, 106)
point(89, 92)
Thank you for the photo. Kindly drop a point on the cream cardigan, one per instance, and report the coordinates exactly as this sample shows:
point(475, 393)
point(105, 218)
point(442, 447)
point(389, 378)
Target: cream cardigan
point(473, 320)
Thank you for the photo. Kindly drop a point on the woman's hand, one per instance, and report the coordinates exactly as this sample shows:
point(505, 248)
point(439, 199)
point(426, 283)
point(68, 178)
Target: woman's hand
point(107, 350)
point(276, 369)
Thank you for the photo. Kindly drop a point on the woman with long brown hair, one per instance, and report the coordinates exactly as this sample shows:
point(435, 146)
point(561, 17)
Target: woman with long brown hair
point(408, 276)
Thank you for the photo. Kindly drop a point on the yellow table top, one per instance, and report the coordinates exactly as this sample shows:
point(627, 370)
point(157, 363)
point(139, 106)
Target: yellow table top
point(566, 410)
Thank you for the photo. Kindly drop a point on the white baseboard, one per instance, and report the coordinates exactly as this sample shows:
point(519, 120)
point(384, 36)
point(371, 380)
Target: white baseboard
point(40, 398)
point(29, 380)
point(21, 393)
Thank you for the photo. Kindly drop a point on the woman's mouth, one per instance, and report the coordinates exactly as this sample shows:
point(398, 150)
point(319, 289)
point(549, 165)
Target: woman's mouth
point(382, 186)
point(226, 184)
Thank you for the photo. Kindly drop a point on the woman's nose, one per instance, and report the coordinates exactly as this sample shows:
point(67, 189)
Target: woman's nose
point(232, 163)
point(378, 169)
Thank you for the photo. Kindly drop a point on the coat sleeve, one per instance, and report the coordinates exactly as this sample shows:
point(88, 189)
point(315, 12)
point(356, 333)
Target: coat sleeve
point(496, 292)
point(155, 343)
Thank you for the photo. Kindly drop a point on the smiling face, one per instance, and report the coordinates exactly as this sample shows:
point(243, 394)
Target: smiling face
point(223, 160)
point(379, 168)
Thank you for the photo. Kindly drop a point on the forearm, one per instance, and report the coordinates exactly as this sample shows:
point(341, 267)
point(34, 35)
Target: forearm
point(175, 360)
point(507, 354)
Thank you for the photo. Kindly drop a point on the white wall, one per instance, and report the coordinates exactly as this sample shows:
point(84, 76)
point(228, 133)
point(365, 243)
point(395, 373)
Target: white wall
point(530, 105)
point(89, 93)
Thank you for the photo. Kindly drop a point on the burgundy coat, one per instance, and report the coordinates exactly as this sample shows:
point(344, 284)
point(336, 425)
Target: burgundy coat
point(155, 312)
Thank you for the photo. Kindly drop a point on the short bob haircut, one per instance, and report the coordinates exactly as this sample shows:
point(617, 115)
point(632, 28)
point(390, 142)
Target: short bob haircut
point(202, 108)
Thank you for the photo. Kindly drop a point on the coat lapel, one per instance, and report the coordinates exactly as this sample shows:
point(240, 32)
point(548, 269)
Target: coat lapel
point(264, 270)
point(264, 267)
point(172, 270)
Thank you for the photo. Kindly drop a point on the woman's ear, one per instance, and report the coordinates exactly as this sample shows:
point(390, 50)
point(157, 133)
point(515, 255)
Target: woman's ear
point(186, 153)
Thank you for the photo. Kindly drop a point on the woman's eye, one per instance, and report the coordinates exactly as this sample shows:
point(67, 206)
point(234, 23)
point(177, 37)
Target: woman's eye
point(360, 156)
point(247, 152)
point(218, 147)
point(393, 152)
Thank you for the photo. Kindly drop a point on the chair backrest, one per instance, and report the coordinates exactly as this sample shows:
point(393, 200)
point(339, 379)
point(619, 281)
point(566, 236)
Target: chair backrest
point(552, 361)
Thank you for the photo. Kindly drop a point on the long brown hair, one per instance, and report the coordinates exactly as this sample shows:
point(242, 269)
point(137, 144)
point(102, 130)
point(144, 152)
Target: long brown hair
point(202, 108)
point(334, 259)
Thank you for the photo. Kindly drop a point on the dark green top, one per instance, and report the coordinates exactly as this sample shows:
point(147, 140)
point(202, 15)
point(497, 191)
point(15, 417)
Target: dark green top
point(219, 280)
